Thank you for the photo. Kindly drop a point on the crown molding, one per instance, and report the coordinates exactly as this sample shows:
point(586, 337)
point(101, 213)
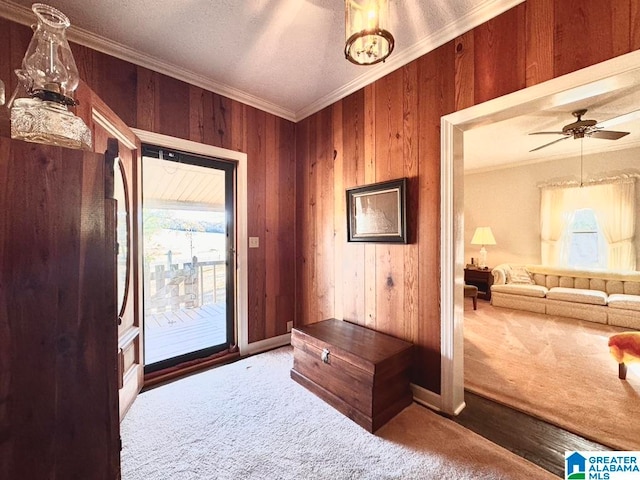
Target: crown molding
point(475, 17)
point(24, 16)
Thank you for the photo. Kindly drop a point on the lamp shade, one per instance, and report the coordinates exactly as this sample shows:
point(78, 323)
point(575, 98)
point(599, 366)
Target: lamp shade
point(483, 236)
point(368, 40)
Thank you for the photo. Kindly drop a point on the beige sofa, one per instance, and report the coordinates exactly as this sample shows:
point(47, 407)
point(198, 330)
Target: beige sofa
point(596, 296)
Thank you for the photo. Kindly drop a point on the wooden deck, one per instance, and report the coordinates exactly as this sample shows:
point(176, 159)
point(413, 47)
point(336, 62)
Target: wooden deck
point(169, 334)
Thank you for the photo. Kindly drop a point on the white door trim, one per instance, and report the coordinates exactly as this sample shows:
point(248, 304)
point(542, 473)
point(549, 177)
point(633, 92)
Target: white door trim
point(240, 158)
point(614, 74)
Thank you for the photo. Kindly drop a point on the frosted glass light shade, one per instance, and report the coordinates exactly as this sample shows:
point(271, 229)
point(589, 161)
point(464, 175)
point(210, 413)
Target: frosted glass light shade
point(368, 40)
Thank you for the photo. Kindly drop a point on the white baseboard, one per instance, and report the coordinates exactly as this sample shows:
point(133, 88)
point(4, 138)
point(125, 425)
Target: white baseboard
point(426, 397)
point(432, 400)
point(267, 344)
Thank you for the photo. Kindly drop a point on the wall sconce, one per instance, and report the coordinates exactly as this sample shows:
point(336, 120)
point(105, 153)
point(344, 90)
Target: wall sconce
point(50, 77)
point(483, 236)
point(367, 39)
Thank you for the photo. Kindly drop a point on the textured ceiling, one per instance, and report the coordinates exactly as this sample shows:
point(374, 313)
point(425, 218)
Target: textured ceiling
point(283, 56)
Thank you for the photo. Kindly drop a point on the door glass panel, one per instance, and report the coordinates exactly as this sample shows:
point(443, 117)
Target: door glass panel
point(122, 222)
point(187, 240)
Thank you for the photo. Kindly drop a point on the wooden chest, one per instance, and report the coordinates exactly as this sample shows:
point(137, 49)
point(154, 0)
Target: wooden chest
point(362, 373)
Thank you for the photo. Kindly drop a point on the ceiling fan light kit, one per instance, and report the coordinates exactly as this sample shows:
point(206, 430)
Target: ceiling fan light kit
point(368, 40)
point(583, 128)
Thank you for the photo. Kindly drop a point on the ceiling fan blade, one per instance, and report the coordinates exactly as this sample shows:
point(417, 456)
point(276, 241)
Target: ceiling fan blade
point(551, 143)
point(627, 117)
point(547, 133)
point(608, 134)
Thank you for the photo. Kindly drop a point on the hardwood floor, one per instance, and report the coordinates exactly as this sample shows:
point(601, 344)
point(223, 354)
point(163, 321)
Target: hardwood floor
point(170, 334)
point(537, 441)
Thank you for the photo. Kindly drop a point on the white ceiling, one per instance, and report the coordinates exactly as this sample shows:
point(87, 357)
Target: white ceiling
point(508, 142)
point(283, 56)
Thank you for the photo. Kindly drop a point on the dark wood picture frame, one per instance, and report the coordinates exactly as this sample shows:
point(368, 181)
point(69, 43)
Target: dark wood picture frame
point(377, 212)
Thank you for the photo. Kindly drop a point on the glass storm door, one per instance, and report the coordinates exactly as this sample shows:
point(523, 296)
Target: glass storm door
point(188, 231)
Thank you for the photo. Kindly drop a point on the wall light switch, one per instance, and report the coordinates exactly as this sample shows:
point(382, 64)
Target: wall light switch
point(254, 242)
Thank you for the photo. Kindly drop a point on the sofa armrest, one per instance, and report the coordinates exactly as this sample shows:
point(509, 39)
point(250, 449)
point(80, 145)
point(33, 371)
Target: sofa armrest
point(500, 274)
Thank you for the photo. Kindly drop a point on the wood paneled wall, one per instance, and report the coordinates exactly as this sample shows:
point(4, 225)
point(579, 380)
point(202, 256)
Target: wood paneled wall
point(298, 172)
point(154, 102)
point(391, 129)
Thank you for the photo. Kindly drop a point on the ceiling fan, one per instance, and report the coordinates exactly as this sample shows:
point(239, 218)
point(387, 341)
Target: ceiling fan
point(586, 128)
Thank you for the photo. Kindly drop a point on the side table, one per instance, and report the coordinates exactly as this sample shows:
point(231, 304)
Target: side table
point(481, 278)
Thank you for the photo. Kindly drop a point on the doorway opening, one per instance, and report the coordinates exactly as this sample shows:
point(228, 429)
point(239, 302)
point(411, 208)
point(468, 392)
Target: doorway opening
point(189, 256)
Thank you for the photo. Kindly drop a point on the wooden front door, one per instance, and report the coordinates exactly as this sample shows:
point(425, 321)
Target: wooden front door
point(122, 151)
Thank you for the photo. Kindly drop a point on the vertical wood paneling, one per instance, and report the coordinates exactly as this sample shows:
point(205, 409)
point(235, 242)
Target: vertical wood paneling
point(539, 41)
point(586, 34)
point(620, 27)
point(256, 199)
point(464, 71)
point(339, 211)
point(173, 107)
point(369, 273)
point(286, 227)
point(499, 55)
point(634, 25)
point(200, 115)
point(303, 249)
point(352, 296)
point(532, 42)
point(436, 74)
point(389, 165)
point(324, 217)
point(407, 327)
point(272, 219)
point(148, 100)
point(221, 121)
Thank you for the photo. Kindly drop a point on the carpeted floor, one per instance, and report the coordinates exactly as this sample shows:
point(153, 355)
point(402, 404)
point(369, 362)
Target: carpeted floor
point(249, 420)
point(555, 368)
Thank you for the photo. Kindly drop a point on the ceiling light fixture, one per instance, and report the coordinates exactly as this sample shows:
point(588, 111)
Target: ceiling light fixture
point(368, 40)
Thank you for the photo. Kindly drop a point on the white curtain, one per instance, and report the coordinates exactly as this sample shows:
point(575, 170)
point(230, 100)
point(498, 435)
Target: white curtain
point(615, 208)
point(555, 212)
point(614, 204)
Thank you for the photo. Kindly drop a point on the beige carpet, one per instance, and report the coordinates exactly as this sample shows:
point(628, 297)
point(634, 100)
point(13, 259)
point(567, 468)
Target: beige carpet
point(554, 368)
point(249, 420)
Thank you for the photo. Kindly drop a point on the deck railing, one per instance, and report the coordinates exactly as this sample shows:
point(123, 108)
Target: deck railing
point(188, 286)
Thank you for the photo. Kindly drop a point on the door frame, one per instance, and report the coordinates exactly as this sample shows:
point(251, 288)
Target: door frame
point(241, 240)
point(607, 76)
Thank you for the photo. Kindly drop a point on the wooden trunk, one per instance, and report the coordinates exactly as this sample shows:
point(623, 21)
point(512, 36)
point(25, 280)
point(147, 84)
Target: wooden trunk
point(362, 373)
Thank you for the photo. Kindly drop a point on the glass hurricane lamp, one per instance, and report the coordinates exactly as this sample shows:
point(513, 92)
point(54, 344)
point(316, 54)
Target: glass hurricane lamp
point(49, 77)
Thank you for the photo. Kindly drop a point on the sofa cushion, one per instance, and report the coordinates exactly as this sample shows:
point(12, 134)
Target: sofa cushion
point(627, 302)
point(520, 289)
point(578, 295)
point(632, 288)
point(519, 275)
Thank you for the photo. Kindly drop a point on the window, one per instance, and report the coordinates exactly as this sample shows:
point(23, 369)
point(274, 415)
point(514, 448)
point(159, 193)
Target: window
point(584, 245)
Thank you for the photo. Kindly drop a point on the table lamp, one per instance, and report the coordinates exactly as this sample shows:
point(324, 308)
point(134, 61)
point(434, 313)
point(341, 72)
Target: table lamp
point(483, 236)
